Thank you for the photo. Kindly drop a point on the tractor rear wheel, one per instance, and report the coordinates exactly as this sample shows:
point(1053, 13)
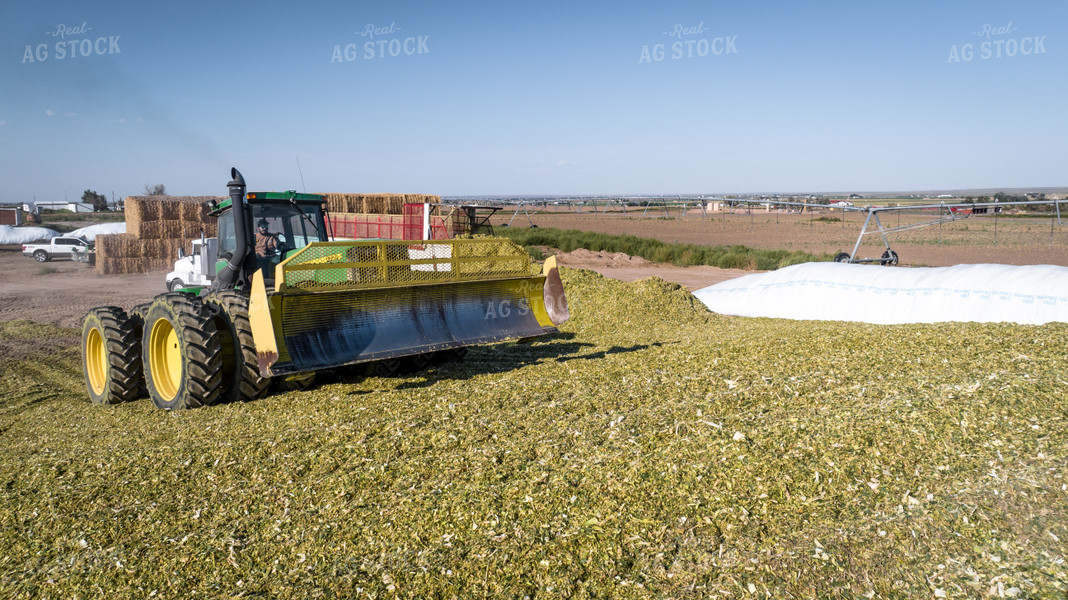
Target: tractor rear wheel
point(181, 353)
point(111, 356)
point(241, 371)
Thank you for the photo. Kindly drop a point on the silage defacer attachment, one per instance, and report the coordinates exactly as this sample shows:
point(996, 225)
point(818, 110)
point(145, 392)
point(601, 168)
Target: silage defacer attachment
point(340, 303)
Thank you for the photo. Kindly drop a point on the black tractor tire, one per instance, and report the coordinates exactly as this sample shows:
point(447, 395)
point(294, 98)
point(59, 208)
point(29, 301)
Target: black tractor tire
point(889, 259)
point(137, 317)
point(386, 367)
point(175, 285)
point(41, 256)
point(181, 353)
point(448, 356)
point(241, 371)
point(416, 363)
point(841, 257)
point(111, 356)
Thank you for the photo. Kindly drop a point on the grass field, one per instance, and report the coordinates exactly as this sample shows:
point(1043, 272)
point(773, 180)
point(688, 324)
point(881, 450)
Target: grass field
point(65, 221)
point(651, 450)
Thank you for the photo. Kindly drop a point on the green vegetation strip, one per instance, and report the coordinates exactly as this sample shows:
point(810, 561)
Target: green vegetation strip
point(651, 450)
point(725, 257)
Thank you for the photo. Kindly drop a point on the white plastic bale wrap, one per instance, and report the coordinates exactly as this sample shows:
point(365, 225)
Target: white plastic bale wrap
point(984, 293)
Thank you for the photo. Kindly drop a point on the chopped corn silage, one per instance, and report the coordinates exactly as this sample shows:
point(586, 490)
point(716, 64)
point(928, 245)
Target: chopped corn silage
point(652, 449)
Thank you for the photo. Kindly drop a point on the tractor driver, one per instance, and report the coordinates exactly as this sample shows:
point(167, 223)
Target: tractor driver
point(266, 242)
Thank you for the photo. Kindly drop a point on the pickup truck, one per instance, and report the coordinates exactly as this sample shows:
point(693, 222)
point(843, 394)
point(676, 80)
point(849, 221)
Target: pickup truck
point(75, 248)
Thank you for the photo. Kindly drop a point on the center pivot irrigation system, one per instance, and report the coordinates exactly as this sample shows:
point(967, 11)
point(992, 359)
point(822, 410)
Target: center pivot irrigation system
point(947, 213)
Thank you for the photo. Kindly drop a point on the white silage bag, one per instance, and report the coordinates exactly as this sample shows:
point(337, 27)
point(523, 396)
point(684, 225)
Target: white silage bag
point(985, 293)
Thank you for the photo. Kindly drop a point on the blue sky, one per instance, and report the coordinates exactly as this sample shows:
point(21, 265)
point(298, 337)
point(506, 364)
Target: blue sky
point(531, 98)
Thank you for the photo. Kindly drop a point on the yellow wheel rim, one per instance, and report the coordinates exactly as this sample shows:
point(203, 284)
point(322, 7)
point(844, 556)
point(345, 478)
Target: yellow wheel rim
point(165, 359)
point(96, 361)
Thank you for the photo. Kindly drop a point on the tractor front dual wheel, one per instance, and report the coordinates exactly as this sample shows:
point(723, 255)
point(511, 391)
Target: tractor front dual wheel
point(181, 352)
point(111, 356)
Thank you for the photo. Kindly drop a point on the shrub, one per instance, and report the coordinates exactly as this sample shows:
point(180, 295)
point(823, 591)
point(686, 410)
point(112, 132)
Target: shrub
point(735, 257)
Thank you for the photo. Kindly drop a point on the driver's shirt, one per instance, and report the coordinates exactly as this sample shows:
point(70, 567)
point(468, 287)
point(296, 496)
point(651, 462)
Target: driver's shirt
point(266, 244)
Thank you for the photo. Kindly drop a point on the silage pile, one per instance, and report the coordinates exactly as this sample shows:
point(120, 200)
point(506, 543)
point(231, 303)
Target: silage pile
point(651, 450)
point(156, 228)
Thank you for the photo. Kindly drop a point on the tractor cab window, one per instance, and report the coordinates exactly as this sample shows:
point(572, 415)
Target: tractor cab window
point(278, 229)
point(281, 229)
point(292, 227)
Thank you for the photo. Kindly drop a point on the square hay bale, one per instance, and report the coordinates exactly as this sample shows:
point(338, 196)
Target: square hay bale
point(138, 209)
point(106, 244)
point(107, 266)
point(170, 230)
point(109, 249)
point(170, 209)
point(193, 211)
point(195, 208)
point(192, 230)
point(132, 265)
point(131, 247)
point(173, 246)
point(149, 230)
point(340, 203)
point(377, 204)
point(153, 249)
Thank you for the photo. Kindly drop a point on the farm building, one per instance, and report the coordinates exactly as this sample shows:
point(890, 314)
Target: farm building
point(71, 206)
point(11, 215)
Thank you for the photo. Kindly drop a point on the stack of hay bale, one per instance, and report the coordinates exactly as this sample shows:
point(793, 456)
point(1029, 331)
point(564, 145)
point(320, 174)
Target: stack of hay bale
point(374, 215)
point(376, 204)
point(156, 227)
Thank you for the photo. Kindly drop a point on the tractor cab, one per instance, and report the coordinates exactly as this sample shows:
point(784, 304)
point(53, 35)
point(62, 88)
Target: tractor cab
point(281, 222)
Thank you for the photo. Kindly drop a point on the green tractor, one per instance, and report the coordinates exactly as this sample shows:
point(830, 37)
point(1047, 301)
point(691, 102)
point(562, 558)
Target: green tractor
point(303, 304)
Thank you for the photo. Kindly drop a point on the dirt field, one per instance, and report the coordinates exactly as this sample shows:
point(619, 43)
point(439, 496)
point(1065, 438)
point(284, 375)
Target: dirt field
point(978, 239)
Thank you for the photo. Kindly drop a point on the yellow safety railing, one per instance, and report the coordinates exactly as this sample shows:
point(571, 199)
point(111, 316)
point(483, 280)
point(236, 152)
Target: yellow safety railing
point(332, 266)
